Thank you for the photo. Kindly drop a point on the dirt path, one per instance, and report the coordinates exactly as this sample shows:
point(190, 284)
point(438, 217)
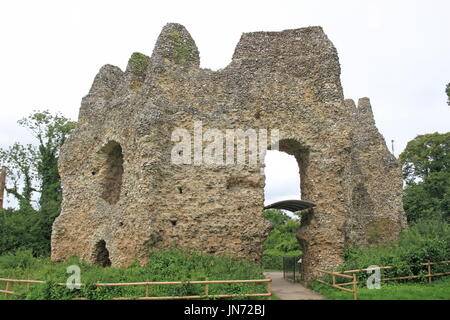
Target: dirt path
point(286, 290)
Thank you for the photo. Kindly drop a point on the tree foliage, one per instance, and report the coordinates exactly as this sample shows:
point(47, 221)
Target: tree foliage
point(20, 162)
point(33, 178)
point(50, 131)
point(282, 239)
point(426, 171)
point(427, 240)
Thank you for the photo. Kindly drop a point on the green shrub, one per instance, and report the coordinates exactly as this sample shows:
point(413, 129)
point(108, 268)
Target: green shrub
point(21, 230)
point(18, 259)
point(424, 241)
point(281, 241)
point(273, 259)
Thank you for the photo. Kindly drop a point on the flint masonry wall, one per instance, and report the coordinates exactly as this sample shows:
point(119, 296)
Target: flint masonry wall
point(122, 192)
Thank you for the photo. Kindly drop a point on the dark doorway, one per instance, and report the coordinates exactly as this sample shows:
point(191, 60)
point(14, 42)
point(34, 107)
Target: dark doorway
point(101, 254)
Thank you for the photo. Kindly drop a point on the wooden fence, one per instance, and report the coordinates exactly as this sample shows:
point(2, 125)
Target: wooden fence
point(354, 283)
point(339, 286)
point(148, 285)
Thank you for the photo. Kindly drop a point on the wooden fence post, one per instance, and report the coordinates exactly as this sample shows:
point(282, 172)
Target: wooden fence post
point(7, 287)
point(147, 290)
point(206, 288)
point(269, 289)
point(429, 272)
point(355, 287)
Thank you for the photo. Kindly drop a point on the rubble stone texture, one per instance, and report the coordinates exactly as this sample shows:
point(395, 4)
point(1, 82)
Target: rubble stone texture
point(122, 195)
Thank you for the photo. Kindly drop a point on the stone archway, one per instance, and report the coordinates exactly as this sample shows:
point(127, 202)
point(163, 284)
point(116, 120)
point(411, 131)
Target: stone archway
point(321, 235)
point(300, 153)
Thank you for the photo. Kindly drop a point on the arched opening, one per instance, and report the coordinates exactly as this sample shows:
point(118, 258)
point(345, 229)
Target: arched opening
point(282, 176)
point(284, 171)
point(101, 254)
point(111, 172)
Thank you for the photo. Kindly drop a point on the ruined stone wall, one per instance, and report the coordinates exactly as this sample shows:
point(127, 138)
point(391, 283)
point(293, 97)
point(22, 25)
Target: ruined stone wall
point(375, 196)
point(121, 189)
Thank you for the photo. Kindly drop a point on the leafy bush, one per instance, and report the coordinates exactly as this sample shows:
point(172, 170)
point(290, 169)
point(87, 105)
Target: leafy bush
point(21, 230)
point(33, 169)
point(424, 241)
point(273, 259)
point(281, 241)
point(18, 259)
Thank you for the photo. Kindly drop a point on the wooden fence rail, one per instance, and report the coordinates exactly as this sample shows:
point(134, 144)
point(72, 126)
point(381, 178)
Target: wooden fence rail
point(148, 285)
point(334, 274)
point(355, 282)
point(392, 267)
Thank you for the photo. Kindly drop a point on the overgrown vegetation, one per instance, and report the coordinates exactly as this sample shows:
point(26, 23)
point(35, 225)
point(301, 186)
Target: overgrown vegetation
point(424, 241)
point(182, 48)
point(34, 181)
point(138, 63)
point(281, 241)
point(426, 172)
point(166, 265)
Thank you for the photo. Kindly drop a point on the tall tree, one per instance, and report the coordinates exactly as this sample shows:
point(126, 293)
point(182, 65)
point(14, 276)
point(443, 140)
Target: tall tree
point(20, 162)
point(426, 171)
point(34, 169)
point(50, 130)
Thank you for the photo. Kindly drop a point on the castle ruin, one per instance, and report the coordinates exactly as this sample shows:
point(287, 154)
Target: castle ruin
point(124, 196)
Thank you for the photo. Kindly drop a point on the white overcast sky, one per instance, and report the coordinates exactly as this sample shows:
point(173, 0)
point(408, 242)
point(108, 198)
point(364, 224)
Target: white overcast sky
point(395, 52)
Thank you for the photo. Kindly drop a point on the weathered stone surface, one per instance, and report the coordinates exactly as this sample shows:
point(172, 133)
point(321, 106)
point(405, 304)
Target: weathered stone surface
point(122, 192)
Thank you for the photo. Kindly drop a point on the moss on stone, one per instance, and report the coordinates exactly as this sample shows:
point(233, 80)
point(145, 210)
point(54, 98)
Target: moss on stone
point(182, 48)
point(138, 63)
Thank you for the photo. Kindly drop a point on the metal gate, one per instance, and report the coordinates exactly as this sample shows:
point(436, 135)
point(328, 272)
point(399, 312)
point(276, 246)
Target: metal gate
point(292, 268)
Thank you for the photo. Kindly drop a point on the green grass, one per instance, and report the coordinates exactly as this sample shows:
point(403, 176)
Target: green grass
point(439, 289)
point(167, 265)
